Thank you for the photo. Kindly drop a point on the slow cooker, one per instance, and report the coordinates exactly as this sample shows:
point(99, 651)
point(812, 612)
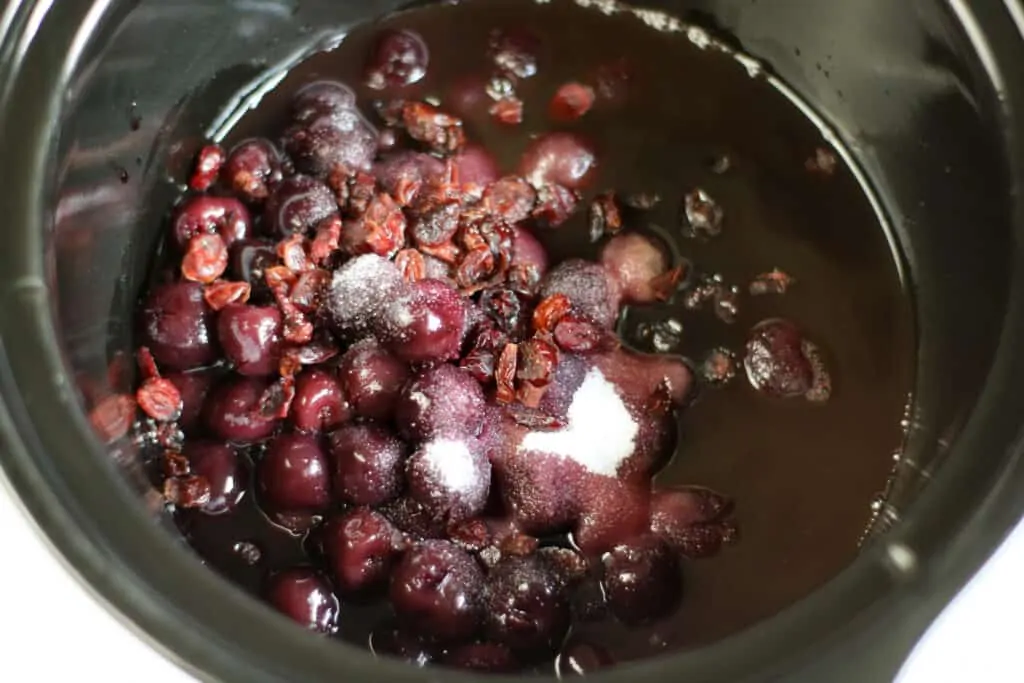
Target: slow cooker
point(101, 101)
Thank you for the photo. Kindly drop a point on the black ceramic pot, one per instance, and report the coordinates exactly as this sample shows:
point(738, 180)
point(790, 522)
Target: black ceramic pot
point(929, 95)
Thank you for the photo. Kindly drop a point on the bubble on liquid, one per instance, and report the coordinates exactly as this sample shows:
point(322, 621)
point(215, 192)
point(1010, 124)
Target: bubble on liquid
point(248, 552)
point(718, 367)
point(664, 336)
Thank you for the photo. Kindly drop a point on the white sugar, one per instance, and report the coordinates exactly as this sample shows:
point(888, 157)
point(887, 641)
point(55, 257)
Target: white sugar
point(600, 434)
point(451, 465)
point(360, 287)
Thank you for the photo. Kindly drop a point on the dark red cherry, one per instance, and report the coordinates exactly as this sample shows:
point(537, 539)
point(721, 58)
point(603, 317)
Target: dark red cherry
point(297, 204)
point(251, 338)
point(436, 590)
point(361, 547)
point(367, 461)
point(176, 326)
point(642, 580)
point(440, 401)
point(558, 158)
point(205, 214)
point(428, 325)
point(232, 410)
point(304, 596)
point(252, 169)
point(526, 605)
point(294, 474)
point(372, 378)
point(223, 469)
point(319, 403)
point(398, 58)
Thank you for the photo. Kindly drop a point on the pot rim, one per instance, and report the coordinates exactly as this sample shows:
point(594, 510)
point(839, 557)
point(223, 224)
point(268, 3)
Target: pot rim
point(194, 617)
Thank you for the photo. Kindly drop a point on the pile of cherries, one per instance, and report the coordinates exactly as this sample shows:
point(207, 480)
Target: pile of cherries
point(366, 319)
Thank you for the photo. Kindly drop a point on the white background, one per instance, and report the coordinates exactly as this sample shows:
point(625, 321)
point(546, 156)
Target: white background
point(51, 627)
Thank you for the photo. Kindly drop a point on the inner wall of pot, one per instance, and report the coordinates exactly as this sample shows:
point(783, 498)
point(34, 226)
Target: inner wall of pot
point(897, 82)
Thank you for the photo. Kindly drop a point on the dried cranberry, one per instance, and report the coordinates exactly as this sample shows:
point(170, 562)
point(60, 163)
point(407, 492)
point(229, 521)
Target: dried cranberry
point(222, 293)
point(208, 164)
point(439, 132)
point(437, 225)
point(550, 311)
point(206, 259)
point(604, 217)
point(536, 367)
point(159, 399)
point(113, 417)
point(571, 102)
point(555, 205)
point(702, 216)
point(505, 373)
point(502, 306)
point(512, 198)
point(411, 264)
point(380, 230)
point(326, 241)
point(508, 110)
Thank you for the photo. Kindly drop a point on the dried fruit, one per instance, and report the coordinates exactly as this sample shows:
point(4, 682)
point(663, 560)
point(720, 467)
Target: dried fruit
point(702, 216)
point(571, 102)
point(439, 132)
point(206, 258)
point(773, 282)
point(549, 312)
point(160, 399)
point(187, 492)
point(508, 110)
point(604, 217)
point(221, 293)
point(208, 165)
point(505, 374)
point(113, 417)
point(292, 252)
point(823, 162)
point(410, 263)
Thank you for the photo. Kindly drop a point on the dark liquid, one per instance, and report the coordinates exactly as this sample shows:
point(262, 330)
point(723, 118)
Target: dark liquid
point(803, 475)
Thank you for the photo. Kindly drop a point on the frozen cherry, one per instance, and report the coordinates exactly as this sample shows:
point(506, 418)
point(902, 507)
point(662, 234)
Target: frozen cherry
point(319, 403)
point(304, 596)
point(775, 361)
point(476, 167)
point(372, 378)
point(294, 474)
point(251, 338)
point(692, 520)
point(220, 465)
point(398, 58)
point(642, 580)
point(487, 657)
point(232, 410)
point(426, 326)
point(526, 606)
point(297, 204)
point(514, 50)
point(436, 589)
point(558, 158)
point(329, 133)
point(176, 326)
point(441, 401)
point(253, 169)
point(320, 99)
point(359, 292)
point(450, 478)
point(636, 262)
point(193, 387)
point(367, 461)
point(204, 214)
point(361, 547)
point(528, 252)
point(590, 289)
